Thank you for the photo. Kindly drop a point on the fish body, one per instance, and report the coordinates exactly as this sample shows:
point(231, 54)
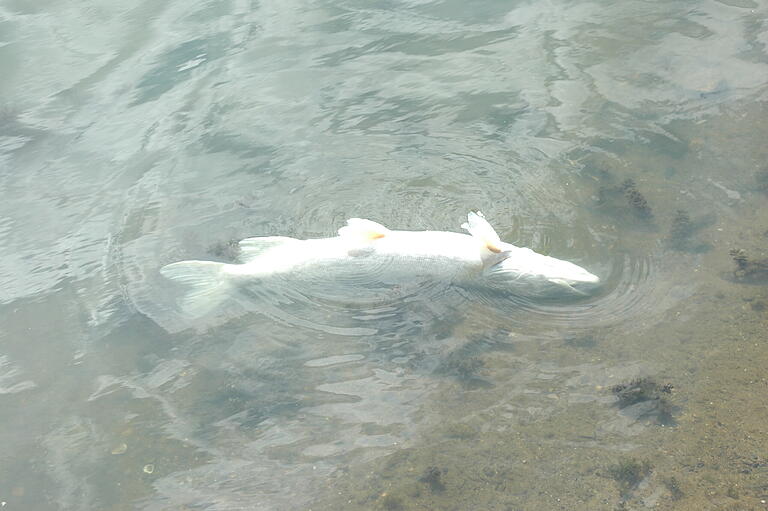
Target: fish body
point(365, 252)
point(396, 256)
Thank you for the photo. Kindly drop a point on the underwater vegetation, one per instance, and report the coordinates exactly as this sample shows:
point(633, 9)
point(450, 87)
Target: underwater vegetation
point(682, 227)
point(460, 431)
point(639, 389)
point(654, 399)
point(748, 269)
point(673, 485)
point(681, 231)
point(635, 199)
point(628, 473)
point(739, 258)
point(432, 476)
point(401, 496)
point(464, 363)
point(460, 366)
point(625, 197)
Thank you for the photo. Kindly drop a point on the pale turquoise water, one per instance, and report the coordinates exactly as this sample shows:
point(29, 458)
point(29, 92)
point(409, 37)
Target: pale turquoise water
point(134, 135)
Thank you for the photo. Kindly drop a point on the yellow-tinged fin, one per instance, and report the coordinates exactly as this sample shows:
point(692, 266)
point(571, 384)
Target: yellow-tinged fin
point(360, 229)
point(479, 228)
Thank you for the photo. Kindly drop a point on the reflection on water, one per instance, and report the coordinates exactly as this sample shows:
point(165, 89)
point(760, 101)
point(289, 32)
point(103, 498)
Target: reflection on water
point(132, 136)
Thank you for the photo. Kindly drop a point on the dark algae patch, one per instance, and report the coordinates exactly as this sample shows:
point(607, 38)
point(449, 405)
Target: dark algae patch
point(653, 396)
point(625, 200)
point(465, 363)
point(638, 390)
point(628, 473)
point(739, 257)
point(681, 230)
point(432, 477)
point(459, 365)
point(673, 485)
point(748, 270)
point(635, 199)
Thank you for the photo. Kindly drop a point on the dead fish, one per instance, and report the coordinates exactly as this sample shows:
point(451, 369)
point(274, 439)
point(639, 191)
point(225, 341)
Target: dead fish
point(365, 249)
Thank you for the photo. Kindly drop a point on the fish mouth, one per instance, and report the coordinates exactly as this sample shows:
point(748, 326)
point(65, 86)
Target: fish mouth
point(588, 278)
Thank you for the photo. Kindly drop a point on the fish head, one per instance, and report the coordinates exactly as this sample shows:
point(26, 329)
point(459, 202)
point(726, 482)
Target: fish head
point(522, 269)
point(570, 273)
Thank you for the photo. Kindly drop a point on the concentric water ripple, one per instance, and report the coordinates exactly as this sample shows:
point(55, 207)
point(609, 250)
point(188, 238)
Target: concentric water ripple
point(634, 288)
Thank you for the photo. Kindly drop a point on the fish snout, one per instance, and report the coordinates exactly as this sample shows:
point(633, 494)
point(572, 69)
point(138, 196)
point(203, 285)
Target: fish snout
point(575, 274)
point(588, 278)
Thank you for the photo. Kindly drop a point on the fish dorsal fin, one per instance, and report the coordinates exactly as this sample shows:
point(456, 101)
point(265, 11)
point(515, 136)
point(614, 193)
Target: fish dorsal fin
point(251, 248)
point(360, 229)
point(479, 228)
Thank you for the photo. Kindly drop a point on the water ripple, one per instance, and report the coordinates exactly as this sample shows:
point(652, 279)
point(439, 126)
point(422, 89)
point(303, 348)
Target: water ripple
point(135, 135)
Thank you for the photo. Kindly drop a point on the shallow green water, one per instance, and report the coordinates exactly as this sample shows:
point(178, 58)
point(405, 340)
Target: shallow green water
point(135, 135)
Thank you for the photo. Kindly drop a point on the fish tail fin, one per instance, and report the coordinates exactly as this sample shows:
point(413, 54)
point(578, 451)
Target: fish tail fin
point(206, 282)
point(479, 228)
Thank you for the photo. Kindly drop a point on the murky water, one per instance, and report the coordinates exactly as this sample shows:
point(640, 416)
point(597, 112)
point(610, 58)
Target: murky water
point(132, 136)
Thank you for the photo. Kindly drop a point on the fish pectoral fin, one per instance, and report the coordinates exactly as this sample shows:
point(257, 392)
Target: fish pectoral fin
point(479, 228)
point(360, 229)
point(251, 248)
point(494, 259)
point(567, 286)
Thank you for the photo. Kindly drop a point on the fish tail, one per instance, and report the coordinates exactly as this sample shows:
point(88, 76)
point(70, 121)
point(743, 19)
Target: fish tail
point(206, 282)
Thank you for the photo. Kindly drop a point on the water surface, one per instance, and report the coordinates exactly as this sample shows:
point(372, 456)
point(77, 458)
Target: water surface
point(132, 136)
